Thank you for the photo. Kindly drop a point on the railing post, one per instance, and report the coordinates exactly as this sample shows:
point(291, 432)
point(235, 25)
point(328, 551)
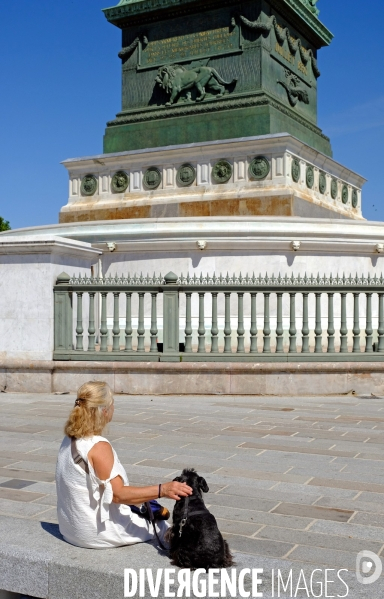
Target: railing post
point(240, 323)
point(116, 322)
point(79, 327)
point(331, 326)
point(267, 327)
point(343, 325)
point(201, 329)
point(279, 324)
point(356, 324)
point(318, 330)
point(292, 323)
point(91, 327)
point(188, 323)
point(153, 330)
point(128, 322)
point(171, 316)
point(305, 329)
point(140, 325)
point(368, 330)
point(215, 328)
point(63, 335)
point(380, 330)
point(227, 325)
point(103, 324)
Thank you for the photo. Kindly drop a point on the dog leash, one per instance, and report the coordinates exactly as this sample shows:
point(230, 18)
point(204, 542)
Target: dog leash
point(186, 514)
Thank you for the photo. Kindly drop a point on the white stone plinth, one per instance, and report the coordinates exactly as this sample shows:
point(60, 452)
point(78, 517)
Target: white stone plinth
point(29, 266)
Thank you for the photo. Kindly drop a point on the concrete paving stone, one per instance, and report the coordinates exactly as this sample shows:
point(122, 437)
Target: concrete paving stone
point(311, 539)
point(369, 519)
point(277, 448)
point(18, 495)
point(20, 509)
point(370, 497)
point(313, 511)
point(171, 465)
point(27, 474)
point(346, 484)
point(45, 488)
point(10, 457)
point(351, 504)
point(255, 517)
point(327, 557)
point(32, 466)
point(347, 529)
point(47, 500)
point(49, 514)
point(246, 503)
point(237, 472)
point(257, 546)
point(314, 490)
point(157, 473)
point(240, 528)
point(272, 495)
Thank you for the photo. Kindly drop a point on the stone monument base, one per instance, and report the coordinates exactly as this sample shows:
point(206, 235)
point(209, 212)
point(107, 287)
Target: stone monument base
point(271, 175)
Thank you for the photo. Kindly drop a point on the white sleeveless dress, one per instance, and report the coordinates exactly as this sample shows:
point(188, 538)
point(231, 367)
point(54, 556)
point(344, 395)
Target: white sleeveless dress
point(87, 517)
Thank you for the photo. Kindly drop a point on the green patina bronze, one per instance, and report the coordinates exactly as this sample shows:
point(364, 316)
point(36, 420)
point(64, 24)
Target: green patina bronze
point(222, 171)
point(194, 71)
point(120, 182)
point(259, 168)
point(88, 185)
point(186, 174)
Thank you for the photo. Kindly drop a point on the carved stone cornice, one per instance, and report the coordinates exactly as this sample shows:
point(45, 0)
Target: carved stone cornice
point(211, 105)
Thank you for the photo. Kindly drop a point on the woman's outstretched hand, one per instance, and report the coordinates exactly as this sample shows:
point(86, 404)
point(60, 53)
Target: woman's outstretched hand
point(175, 490)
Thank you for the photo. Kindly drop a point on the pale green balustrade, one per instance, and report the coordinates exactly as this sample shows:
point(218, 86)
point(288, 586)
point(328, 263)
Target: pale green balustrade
point(247, 318)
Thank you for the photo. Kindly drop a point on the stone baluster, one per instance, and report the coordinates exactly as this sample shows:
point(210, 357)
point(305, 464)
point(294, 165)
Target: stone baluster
point(103, 324)
point(331, 326)
point(279, 324)
point(240, 323)
point(201, 329)
point(140, 327)
point(253, 329)
point(91, 326)
point(305, 329)
point(318, 329)
point(215, 328)
point(116, 322)
point(227, 325)
point(343, 325)
point(368, 329)
point(356, 323)
point(380, 330)
point(188, 323)
point(154, 330)
point(79, 327)
point(128, 322)
point(267, 326)
point(292, 323)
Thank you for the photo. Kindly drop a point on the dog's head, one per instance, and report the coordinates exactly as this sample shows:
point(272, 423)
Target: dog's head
point(196, 482)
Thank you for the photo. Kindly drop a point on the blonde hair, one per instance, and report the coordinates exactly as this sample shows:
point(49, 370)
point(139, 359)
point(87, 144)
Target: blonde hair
point(87, 417)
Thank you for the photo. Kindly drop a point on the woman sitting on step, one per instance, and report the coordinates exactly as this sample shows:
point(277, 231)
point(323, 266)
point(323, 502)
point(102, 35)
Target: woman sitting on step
point(93, 492)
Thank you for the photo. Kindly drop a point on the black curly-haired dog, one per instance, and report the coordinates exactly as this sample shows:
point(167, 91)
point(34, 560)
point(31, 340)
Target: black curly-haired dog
point(195, 540)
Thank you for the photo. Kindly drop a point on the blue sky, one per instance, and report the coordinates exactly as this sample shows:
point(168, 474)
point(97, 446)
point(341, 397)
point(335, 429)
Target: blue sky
point(61, 83)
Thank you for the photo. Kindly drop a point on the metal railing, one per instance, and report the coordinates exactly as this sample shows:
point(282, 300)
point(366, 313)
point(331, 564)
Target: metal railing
point(297, 301)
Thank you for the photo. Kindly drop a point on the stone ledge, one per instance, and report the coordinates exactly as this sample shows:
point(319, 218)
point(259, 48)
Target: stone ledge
point(196, 378)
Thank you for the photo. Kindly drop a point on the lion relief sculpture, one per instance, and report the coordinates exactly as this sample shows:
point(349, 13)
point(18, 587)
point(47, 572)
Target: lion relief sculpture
point(176, 79)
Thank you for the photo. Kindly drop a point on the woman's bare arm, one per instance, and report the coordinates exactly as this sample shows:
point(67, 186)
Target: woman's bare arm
point(101, 458)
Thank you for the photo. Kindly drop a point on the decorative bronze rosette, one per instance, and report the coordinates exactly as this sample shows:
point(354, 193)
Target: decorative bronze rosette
point(333, 189)
point(222, 171)
point(354, 198)
point(120, 182)
point(88, 185)
point(309, 176)
point(259, 168)
point(344, 194)
point(295, 170)
point(322, 182)
point(186, 174)
point(152, 178)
